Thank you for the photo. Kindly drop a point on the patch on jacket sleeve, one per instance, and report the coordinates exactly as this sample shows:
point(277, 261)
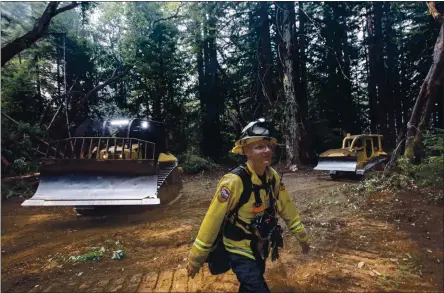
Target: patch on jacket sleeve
point(223, 195)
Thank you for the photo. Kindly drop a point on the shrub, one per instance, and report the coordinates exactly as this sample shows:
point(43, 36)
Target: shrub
point(192, 163)
point(21, 189)
point(378, 182)
point(430, 171)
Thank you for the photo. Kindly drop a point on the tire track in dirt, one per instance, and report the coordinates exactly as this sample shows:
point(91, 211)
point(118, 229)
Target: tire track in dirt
point(164, 281)
point(378, 231)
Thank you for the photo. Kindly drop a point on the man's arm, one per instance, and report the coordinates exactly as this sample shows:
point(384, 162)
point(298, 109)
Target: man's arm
point(289, 213)
point(224, 199)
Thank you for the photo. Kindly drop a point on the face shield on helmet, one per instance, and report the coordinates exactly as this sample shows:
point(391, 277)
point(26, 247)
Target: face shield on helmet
point(254, 131)
point(257, 128)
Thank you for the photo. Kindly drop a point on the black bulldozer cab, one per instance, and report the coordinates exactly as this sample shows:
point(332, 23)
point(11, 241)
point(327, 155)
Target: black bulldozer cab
point(144, 129)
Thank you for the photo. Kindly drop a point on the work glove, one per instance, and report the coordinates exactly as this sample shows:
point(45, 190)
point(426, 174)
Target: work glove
point(192, 270)
point(305, 247)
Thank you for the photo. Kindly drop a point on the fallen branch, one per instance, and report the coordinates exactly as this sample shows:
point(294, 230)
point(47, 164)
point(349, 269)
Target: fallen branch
point(392, 158)
point(22, 177)
point(61, 105)
point(34, 136)
point(88, 95)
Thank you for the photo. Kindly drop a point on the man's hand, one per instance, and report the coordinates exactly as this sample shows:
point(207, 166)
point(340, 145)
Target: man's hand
point(192, 270)
point(305, 247)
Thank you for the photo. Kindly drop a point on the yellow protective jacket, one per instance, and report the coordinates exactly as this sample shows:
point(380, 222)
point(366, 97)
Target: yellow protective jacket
point(229, 190)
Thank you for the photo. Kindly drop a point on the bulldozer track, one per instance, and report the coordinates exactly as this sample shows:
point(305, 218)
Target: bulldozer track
point(164, 173)
point(163, 281)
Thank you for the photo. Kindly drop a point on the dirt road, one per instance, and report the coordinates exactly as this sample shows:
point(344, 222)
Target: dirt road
point(398, 240)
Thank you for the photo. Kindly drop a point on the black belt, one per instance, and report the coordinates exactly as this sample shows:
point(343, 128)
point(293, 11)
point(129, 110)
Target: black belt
point(236, 233)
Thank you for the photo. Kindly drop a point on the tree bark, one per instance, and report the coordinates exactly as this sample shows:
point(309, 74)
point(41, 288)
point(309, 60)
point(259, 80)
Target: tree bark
point(380, 70)
point(304, 153)
point(266, 96)
point(291, 112)
point(200, 64)
point(211, 127)
point(279, 45)
point(303, 63)
point(399, 96)
point(392, 80)
point(39, 29)
point(431, 89)
point(39, 87)
point(373, 102)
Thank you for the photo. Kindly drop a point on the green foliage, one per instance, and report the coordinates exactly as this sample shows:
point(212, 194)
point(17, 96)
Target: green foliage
point(17, 147)
point(434, 143)
point(18, 189)
point(429, 172)
point(160, 43)
point(378, 182)
point(95, 254)
point(192, 162)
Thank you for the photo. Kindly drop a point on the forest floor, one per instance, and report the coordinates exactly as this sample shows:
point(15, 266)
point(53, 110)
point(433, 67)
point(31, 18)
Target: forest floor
point(384, 242)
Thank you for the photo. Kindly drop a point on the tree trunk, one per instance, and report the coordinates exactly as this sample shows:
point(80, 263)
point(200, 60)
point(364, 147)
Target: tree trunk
point(291, 112)
point(403, 94)
point(303, 94)
point(399, 94)
point(200, 64)
point(304, 153)
point(373, 102)
point(159, 91)
point(440, 114)
point(39, 87)
point(392, 78)
point(295, 55)
point(279, 48)
point(211, 140)
point(380, 70)
point(266, 94)
point(58, 72)
point(431, 89)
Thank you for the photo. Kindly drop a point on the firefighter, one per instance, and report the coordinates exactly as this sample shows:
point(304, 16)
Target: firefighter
point(242, 215)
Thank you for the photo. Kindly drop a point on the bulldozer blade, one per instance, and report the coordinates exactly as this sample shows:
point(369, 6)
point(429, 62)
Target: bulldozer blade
point(83, 183)
point(345, 164)
point(95, 190)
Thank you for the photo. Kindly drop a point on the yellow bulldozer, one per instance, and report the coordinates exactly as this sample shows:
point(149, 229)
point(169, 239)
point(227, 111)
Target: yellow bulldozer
point(111, 163)
point(359, 154)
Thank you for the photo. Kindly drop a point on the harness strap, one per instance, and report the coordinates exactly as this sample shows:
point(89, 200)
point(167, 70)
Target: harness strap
point(234, 232)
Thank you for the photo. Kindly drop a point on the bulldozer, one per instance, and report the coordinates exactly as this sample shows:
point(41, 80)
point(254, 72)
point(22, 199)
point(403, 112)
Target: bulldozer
point(359, 154)
point(108, 164)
